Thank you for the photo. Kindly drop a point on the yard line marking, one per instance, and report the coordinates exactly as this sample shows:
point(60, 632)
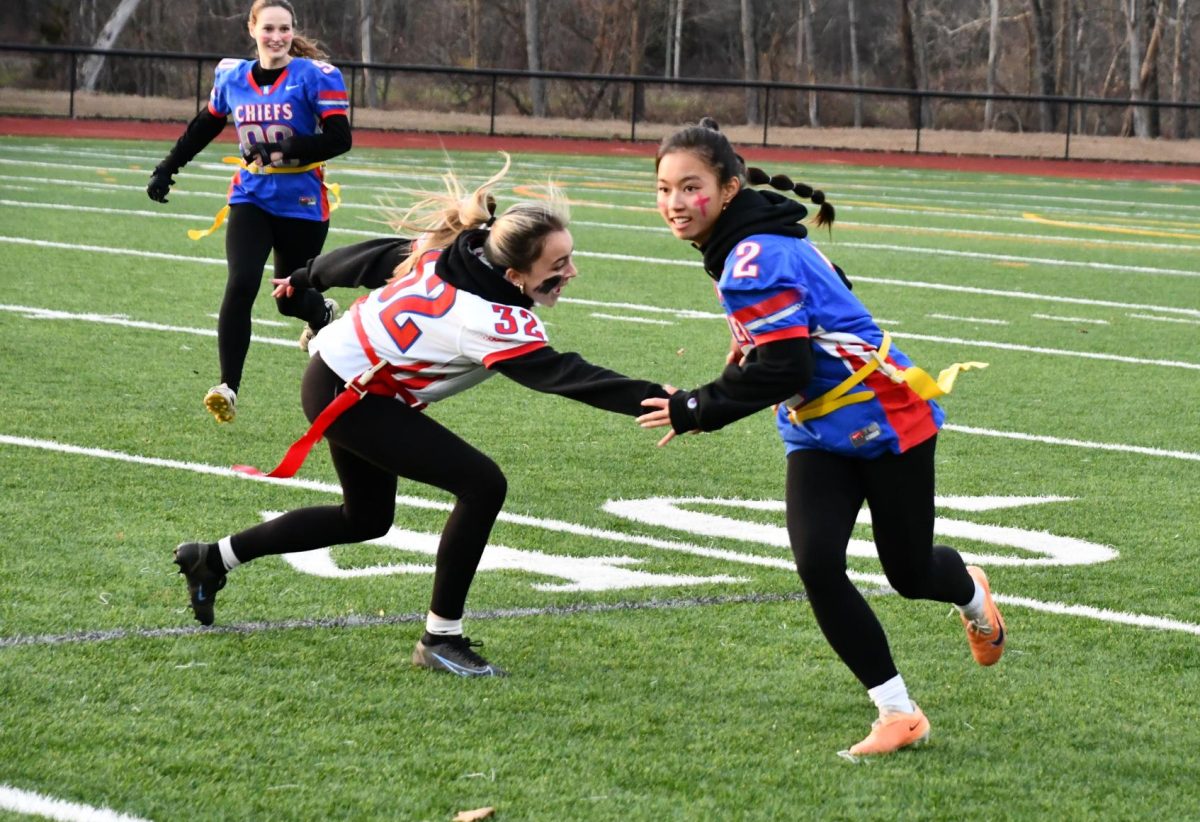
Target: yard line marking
point(356, 621)
point(1013, 258)
point(961, 289)
point(110, 319)
point(1023, 295)
point(1164, 319)
point(99, 249)
point(160, 215)
point(36, 804)
point(1139, 620)
point(954, 232)
point(49, 314)
point(1098, 446)
point(968, 319)
point(995, 292)
point(630, 319)
point(681, 313)
point(1053, 352)
point(256, 321)
point(1075, 319)
point(1143, 232)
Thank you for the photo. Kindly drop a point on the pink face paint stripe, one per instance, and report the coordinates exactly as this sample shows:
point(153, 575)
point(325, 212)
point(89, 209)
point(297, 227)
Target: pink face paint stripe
point(702, 203)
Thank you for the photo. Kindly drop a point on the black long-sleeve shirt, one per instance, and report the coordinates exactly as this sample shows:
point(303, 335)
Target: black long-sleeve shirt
point(565, 374)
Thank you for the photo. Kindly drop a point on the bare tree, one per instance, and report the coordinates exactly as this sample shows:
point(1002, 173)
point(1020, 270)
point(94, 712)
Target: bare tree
point(1182, 67)
point(1043, 58)
point(92, 66)
point(989, 109)
point(366, 20)
point(750, 61)
point(908, 61)
point(806, 57)
point(533, 27)
point(855, 68)
point(1143, 66)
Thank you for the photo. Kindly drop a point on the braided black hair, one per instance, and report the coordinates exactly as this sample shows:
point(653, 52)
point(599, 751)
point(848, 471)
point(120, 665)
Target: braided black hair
point(706, 141)
point(782, 182)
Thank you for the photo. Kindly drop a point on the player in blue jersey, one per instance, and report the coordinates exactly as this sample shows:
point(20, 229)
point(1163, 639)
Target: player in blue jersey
point(856, 417)
point(289, 108)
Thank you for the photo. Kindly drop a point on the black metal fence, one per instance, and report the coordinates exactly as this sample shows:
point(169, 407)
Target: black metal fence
point(146, 80)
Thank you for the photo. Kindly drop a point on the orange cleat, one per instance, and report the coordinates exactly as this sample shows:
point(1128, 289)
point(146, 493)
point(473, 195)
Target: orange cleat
point(892, 732)
point(986, 638)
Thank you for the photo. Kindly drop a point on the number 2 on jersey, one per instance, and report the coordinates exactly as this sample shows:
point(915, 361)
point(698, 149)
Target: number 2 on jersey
point(746, 252)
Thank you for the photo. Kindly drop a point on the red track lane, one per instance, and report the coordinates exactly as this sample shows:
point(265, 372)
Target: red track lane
point(1108, 170)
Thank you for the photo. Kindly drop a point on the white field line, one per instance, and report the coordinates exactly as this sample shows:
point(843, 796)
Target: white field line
point(196, 219)
point(202, 219)
point(1016, 218)
point(1164, 319)
point(1002, 236)
point(29, 803)
point(953, 201)
point(650, 229)
point(108, 319)
point(1013, 258)
point(645, 320)
point(984, 320)
point(1095, 207)
point(1097, 446)
point(125, 322)
point(1140, 620)
point(1085, 320)
point(134, 160)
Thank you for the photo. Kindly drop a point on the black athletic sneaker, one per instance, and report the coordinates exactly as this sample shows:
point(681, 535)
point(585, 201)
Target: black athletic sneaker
point(202, 582)
point(453, 654)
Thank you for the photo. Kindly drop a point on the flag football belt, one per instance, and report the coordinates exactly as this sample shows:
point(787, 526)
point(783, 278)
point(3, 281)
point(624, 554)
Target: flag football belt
point(255, 168)
point(375, 380)
point(925, 386)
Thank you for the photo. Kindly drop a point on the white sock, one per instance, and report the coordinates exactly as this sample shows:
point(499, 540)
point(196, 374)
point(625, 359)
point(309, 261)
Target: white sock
point(437, 626)
point(891, 697)
point(973, 610)
point(228, 558)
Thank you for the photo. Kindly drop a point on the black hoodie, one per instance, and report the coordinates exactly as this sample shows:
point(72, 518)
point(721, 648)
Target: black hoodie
point(770, 373)
point(463, 266)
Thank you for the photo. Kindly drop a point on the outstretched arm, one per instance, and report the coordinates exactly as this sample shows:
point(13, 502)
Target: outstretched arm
point(770, 374)
point(570, 375)
point(363, 265)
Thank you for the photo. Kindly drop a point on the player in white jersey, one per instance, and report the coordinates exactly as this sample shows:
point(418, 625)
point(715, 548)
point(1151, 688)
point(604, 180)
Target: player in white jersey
point(290, 110)
point(458, 309)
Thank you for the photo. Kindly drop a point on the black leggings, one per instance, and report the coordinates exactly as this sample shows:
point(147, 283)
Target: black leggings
point(824, 494)
point(251, 234)
point(373, 443)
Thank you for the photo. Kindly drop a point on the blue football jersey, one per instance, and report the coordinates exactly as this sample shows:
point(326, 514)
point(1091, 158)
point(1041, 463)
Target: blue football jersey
point(306, 93)
point(774, 287)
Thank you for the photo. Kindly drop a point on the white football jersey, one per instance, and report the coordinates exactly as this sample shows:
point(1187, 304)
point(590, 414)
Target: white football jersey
point(438, 340)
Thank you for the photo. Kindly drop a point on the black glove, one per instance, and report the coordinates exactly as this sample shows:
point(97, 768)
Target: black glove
point(261, 152)
point(160, 183)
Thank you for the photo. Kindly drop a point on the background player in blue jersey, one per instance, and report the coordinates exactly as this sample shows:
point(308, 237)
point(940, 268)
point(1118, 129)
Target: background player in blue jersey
point(854, 414)
point(289, 107)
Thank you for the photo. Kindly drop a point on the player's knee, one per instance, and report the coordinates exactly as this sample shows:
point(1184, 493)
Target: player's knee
point(366, 525)
point(907, 584)
point(816, 570)
point(489, 486)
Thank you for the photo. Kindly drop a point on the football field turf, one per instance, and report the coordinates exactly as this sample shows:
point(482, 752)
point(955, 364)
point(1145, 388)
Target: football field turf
point(664, 664)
